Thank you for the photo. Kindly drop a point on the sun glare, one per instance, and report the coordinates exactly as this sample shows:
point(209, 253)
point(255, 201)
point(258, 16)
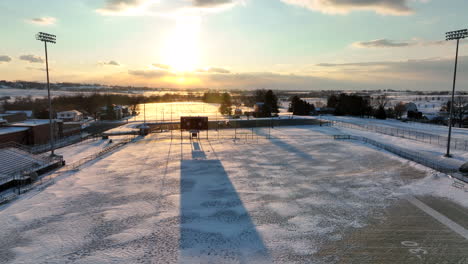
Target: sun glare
point(182, 46)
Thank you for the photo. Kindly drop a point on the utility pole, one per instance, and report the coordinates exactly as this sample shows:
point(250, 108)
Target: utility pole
point(454, 35)
point(48, 38)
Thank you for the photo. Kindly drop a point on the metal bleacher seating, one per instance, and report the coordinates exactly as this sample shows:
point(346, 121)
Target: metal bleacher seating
point(16, 161)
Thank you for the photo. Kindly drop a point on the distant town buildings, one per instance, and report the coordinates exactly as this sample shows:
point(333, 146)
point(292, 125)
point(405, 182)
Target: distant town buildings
point(70, 116)
point(115, 113)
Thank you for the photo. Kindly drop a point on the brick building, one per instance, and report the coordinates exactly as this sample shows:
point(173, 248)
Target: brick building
point(36, 131)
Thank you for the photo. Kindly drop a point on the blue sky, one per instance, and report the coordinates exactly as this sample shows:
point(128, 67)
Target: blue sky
point(223, 44)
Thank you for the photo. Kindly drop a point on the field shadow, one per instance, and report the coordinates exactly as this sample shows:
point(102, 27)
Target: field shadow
point(197, 152)
point(285, 146)
point(215, 225)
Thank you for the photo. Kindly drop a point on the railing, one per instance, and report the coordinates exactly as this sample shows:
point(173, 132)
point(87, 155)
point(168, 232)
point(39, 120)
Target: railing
point(456, 143)
point(409, 155)
point(12, 144)
point(75, 165)
point(60, 143)
point(49, 179)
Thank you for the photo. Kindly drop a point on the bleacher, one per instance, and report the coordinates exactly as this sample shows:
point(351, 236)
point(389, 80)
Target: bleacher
point(16, 162)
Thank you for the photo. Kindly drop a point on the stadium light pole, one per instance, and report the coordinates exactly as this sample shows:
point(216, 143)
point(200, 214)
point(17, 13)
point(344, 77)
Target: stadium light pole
point(48, 38)
point(454, 35)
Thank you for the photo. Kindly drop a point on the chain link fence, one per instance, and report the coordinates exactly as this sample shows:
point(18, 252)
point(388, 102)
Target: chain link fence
point(456, 143)
point(48, 179)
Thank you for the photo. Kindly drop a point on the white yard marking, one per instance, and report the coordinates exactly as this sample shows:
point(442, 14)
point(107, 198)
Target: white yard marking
point(439, 217)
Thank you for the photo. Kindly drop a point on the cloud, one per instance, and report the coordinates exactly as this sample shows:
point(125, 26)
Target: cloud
point(387, 43)
point(249, 80)
point(421, 74)
point(211, 3)
point(381, 43)
point(383, 7)
point(436, 73)
point(357, 64)
point(151, 74)
point(124, 7)
point(43, 21)
point(162, 66)
point(4, 58)
point(214, 70)
point(31, 58)
point(36, 69)
point(165, 8)
point(109, 63)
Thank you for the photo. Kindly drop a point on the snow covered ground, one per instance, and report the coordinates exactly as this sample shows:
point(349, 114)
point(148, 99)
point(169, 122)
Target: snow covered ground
point(173, 111)
point(461, 133)
point(85, 149)
point(40, 93)
point(279, 200)
point(36, 93)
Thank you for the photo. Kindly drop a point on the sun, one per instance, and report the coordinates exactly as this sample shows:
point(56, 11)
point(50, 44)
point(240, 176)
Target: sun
point(182, 47)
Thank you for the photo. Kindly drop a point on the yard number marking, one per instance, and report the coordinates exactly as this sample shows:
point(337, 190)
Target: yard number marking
point(414, 248)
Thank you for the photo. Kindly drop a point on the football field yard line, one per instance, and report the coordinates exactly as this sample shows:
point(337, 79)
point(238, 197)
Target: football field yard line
point(439, 217)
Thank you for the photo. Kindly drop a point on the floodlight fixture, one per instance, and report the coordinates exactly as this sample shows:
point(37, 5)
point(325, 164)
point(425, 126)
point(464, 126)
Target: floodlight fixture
point(41, 36)
point(48, 38)
point(454, 35)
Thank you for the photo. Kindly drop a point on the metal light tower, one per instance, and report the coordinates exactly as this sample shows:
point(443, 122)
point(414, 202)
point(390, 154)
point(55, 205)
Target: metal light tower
point(48, 38)
point(454, 35)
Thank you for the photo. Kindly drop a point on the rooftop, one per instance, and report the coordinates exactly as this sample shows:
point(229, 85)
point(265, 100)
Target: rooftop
point(32, 122)
point(9, 130)
point(27, 112)
point(70, 111)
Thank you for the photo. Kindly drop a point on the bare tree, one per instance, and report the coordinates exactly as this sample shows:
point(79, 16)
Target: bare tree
point(399, 109)
point(460, 108)
point(380, 101)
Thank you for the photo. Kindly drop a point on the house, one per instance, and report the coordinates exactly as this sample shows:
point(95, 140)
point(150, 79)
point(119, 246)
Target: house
point(118, 112)
point(411, 107)
point(70, 116)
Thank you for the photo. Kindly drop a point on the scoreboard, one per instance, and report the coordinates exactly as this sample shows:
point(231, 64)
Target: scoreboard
point(193, 123)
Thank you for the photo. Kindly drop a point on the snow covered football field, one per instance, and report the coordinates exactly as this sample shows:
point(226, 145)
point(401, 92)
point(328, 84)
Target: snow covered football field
point(302, 199)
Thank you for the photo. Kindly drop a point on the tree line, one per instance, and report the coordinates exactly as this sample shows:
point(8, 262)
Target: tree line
point(90, 104)
point(300, 107)
point(266, 101)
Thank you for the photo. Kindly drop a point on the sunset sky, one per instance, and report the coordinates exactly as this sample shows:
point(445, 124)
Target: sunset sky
point(237, 44)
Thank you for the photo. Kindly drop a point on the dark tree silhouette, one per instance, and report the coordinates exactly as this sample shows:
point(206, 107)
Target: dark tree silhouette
point(300, 107)
point(380, 113)
point(352, 104)
point(226, 104)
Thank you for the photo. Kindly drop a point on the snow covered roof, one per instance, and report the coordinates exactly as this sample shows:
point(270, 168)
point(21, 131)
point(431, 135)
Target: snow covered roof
point(70, 112)
point(27, 112)
point(33, 122)
point(9, 130)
